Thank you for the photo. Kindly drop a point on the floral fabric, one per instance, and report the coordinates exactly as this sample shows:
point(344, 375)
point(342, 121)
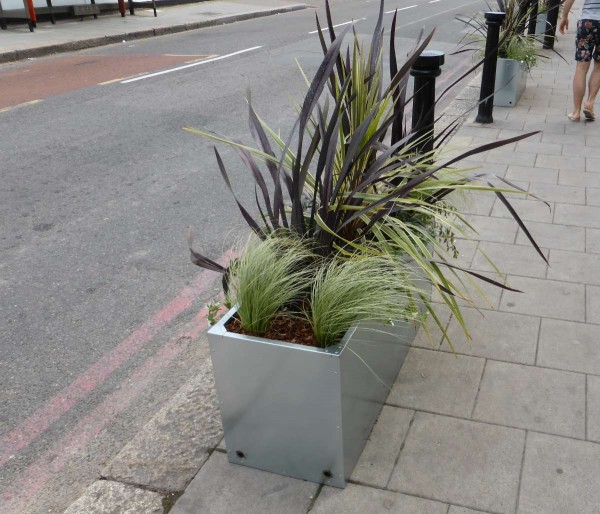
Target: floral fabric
point(587, 41)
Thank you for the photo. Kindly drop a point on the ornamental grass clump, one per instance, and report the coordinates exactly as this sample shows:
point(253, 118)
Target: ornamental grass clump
point(345, 292)
point(269, 276)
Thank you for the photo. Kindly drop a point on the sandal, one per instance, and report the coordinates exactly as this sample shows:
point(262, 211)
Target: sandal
point(573, 118)
point(589, 114)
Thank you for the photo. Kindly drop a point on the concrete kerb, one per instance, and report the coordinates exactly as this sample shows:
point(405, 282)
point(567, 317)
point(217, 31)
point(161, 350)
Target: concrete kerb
point(71, 46)
point(171, 478)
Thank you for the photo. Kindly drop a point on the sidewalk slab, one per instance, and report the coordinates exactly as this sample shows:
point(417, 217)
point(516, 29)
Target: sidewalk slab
point(378, 459)
point(545, 298)
point(560, 475)
point(554, 403)
point(437, 382)
point(366, 500)
point(495, 335)
point(462, 462)
point(224, 488)
point(569, 346)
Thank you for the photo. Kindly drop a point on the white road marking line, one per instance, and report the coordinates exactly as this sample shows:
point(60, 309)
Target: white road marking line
point(401, 9)
point(338, 25)
point(25, 104)
point(421, 20)
point(433, 1)
point(107, 82)
point(164, 72)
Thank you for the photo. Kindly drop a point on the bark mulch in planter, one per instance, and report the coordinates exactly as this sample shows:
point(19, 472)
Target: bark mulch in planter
point(283, 328)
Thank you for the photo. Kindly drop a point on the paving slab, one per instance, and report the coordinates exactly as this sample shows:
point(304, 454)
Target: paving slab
point(224, 488)
point(563, 162)
point(577, 215)
point(481, 294)
point(557, 193)
point(366, 500)
point(527, 209)
point(569, 346)
point(533, 398)
point(592, 196)
point(506, 133)
point(593, 408)
point(592, 304)
point(430, 335)
point(499, 230)
point(545, 298)
point(106, 497)
point(166, 455)
point(534, 147)
point(574, 267)
point(437, 382)
point(592, 164)
point(579, 178)
point(467, 463)
point(531, 174)
point(477, 203)
point(495, 335)
point(510, 259)
point(462, 510)
point(560, 476)
point(560, 237)
point(377, 461)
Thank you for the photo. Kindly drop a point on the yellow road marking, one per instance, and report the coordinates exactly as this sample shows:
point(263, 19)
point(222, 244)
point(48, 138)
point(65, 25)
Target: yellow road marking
point(32, 102)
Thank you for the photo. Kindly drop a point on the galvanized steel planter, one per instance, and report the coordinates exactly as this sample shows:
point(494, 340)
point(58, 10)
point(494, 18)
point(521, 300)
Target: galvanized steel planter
point(511, 79)
point(301, 411)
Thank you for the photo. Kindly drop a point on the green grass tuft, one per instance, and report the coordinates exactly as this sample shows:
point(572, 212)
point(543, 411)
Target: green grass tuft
point(374, 289)
point(270, 275)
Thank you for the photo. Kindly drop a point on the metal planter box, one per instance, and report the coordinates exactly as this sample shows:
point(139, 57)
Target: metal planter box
point(511, 79)
point(301, 411)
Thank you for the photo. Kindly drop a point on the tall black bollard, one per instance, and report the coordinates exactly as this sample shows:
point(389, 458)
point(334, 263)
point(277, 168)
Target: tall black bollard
point(425, 70)
point(550, 33)
point(488, 75)
point(535, 5)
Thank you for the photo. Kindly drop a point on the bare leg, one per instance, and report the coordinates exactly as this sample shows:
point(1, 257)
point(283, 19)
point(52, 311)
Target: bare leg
point(579, 89)
point(593, 86)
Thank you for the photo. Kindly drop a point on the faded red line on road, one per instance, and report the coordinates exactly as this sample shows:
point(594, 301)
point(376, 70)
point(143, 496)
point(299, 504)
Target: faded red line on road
point(37, 475)
point(84, 384)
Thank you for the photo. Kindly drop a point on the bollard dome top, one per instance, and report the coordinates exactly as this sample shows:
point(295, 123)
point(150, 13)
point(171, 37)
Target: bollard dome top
point(429, 60)
point(494, 17)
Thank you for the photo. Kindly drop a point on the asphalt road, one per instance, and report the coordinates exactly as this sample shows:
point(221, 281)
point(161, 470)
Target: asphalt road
point(99, 303)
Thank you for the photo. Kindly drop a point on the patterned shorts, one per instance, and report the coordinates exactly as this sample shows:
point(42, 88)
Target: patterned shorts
point(588, 41)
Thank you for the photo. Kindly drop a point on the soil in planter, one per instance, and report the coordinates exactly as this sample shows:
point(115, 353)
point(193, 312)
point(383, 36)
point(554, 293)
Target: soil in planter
point(282, 328)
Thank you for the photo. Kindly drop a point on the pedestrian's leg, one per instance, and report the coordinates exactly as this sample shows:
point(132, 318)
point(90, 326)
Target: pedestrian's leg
point(593, 87)
point(579, 89)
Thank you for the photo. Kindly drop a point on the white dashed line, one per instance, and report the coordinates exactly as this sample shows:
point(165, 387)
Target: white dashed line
point(400, 9)
point(338, 25)
point(164, 72)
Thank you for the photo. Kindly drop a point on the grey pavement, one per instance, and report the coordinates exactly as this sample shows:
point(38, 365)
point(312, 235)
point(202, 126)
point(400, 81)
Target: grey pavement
point(510, 424)
point(18, 43)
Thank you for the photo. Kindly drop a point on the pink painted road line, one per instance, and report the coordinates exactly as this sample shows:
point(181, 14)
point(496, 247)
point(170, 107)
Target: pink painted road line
point(15, 498)
point(84, 384)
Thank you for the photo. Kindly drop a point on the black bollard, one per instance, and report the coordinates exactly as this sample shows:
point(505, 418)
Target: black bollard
point(488, 75)
point(550, 34)
point(425, 70)
point(535, 5)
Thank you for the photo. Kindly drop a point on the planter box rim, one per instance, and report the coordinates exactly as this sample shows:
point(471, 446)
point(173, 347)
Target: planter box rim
point(219, 329)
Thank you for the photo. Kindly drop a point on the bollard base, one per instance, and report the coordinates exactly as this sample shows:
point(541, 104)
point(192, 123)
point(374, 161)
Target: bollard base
point(484, 118)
